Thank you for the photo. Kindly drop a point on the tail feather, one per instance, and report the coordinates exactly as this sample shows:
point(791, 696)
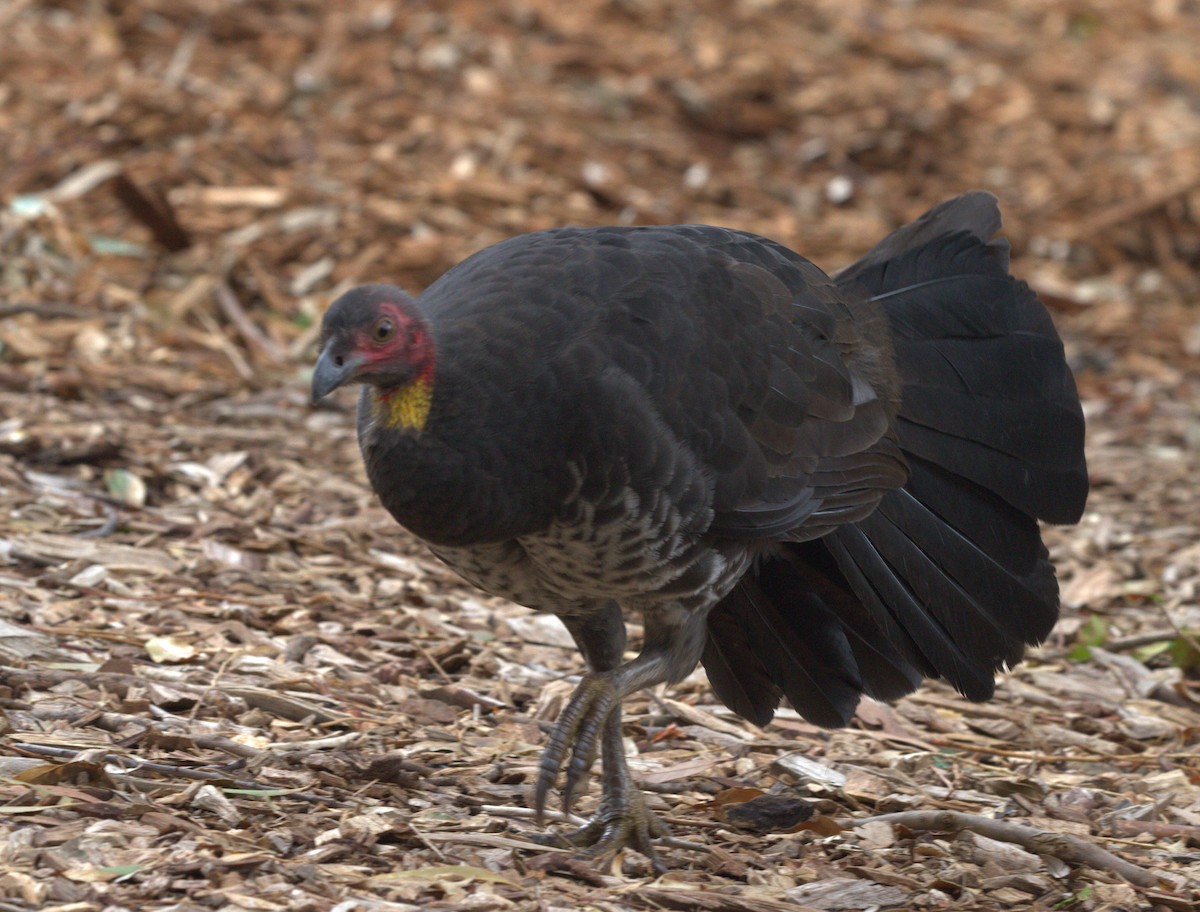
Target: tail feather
point(791, 629)
point(988, 612)
point(921, 634)
point(734, 670)
point(975, 213)
point(987, 393)
point(1048, 493)
point(991, 524)
point(948, 577)
point(818, 669)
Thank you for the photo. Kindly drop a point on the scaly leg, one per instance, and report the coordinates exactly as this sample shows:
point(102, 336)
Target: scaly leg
point(593, 718)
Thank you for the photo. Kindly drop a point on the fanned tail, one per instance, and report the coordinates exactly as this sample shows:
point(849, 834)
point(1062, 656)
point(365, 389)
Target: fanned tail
point(948, 577)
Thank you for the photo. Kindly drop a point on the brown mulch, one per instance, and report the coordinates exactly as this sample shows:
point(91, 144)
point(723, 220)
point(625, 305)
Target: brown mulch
point(228, 680)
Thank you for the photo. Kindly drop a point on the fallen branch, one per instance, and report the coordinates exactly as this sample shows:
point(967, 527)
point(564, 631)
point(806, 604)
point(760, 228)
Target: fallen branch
point(1155, 829)
point(1124, 644)
point(50, 310)
point(1041, 842)
point(123, 765)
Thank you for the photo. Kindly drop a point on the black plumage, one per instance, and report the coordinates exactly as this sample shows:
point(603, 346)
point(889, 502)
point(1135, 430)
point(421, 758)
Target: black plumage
point(818, 486)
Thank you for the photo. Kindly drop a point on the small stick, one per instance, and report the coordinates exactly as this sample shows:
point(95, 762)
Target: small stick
point(109, 680)
point(1136, 641)
point(127, 765)
point(1041, 842)
point(521, 813)
point(249, 330)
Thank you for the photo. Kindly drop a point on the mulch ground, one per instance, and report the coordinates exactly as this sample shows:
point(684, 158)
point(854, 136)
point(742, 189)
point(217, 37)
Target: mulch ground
point(228, 680)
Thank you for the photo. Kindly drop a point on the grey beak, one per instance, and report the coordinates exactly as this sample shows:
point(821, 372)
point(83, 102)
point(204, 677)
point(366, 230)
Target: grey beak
point(333, 371)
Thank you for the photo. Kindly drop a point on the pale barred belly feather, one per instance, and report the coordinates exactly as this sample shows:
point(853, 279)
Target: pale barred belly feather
point(624, 550)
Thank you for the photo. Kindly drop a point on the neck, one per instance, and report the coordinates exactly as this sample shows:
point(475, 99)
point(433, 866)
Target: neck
point(406, 407)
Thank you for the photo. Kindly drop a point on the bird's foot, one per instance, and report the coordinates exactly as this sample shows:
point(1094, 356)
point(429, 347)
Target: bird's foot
point(574, 739)
point(593, 717)
point(622, 822)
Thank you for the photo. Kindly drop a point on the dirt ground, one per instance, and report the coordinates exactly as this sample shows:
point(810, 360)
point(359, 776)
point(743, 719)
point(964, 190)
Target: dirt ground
point(229, 681)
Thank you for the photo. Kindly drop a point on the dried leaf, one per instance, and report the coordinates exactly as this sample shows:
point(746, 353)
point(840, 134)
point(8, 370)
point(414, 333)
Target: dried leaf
point(230, 556)
point(169, 649)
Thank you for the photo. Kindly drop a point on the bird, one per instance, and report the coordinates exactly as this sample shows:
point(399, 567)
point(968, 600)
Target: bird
point(817, 486)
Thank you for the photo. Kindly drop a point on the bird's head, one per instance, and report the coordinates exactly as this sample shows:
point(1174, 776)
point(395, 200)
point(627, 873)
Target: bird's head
point(376, 335)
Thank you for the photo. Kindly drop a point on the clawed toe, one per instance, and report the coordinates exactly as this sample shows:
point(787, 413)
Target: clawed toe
point(574, 740)
point(592, 719)
point(603, 837)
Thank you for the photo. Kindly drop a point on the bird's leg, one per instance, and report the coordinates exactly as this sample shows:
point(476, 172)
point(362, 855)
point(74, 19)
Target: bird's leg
point(599, 632)
point(622, 818)
point(674, 639)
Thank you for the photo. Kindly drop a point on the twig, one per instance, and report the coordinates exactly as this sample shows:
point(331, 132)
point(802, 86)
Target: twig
point(1136, 641)
point(249, 330)
point(221, 341)
point(153, 211)
point(1155, 829)
point(520, 813)
point(129, 764)
point(1036, 756)
point(488, 840)
point(553, 816)
point(424, 841)
point(212, 685)
point(1126, 211)
point(225, 745)
point(1041, 842)
point(112, 518)
point(46, 311)
point(181, 59)
point(114, 681)
point(437, 666)
point(312, 744)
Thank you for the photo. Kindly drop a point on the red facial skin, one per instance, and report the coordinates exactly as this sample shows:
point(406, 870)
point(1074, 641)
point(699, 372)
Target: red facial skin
point(396, 349)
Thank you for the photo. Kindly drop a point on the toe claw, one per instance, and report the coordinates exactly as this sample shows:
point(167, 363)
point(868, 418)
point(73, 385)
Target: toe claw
point(590, 720)
point(577, 732)
point(603, 838)
point(546, 777)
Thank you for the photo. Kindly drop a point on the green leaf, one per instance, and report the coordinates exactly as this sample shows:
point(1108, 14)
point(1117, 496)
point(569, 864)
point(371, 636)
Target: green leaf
point(1145, 653)
point(1082, 896)
point(1080, 654)
point(1184, 654)
point(126, 487)
point(120, 870)
point(1093, 632)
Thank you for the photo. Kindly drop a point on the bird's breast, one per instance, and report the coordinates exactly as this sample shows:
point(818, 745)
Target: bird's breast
point(622, 549)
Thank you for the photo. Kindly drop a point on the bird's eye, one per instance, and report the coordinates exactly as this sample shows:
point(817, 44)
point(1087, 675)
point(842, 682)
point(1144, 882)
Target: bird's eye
point(384, 330)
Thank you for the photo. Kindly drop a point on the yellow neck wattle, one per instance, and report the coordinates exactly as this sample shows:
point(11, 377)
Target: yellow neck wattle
point(406, 406)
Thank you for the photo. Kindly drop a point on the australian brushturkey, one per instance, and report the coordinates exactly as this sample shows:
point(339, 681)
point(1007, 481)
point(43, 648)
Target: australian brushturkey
point(817, 486)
